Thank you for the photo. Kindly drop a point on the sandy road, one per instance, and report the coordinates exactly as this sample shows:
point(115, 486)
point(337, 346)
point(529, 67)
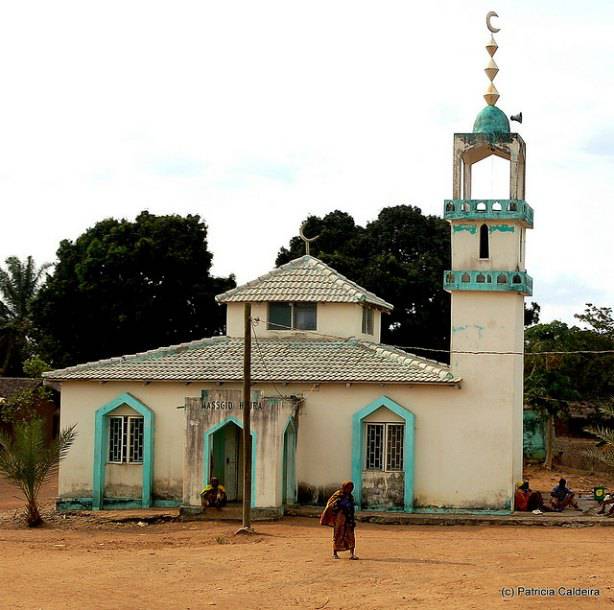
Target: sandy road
point(287, 565)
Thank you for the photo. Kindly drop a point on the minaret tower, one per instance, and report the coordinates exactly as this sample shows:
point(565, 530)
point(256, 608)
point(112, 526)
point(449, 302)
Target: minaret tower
point(488, 283)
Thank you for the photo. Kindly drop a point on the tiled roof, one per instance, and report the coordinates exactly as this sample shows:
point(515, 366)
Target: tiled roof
point(303, 279)
point(10, 385)
point(293, 359)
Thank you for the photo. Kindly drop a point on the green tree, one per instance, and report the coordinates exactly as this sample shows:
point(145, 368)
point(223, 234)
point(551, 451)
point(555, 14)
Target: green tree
point(28, 461)
point(124, 287)
point(401, 256)
point(552, 381)
point(25, 404)
point(19, 284)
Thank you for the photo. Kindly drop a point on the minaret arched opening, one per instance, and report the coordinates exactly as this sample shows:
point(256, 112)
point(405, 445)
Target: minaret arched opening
point(484, 246)
point(490, 178)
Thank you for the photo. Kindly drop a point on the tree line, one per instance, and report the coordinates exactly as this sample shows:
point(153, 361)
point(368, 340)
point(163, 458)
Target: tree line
point(128, 286)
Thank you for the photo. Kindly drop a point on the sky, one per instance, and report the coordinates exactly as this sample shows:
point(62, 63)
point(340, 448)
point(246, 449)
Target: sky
point(257, 114)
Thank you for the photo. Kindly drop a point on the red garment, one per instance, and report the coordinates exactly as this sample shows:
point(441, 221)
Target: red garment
point(521, 500)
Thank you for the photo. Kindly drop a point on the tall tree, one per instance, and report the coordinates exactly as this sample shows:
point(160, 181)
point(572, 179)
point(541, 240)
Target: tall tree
point(401, 256)
point(124, 287)
point(554, 380)
point(19, 283)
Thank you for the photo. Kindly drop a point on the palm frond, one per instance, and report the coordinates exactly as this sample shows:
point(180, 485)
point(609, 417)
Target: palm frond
point(27, 460)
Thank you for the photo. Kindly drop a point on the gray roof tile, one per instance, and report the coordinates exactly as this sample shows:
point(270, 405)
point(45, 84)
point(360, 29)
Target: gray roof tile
point(293, 359)
point(303, 279)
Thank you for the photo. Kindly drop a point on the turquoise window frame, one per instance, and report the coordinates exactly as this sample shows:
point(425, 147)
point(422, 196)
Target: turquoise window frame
point(207, 445)
point(408, 448)
point(100, 447)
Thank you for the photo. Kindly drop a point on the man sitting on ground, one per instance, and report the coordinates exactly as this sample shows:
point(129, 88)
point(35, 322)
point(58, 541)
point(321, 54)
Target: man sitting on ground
point(213, 494)
point(527, 500)
point(609, 499)
point(562, 497)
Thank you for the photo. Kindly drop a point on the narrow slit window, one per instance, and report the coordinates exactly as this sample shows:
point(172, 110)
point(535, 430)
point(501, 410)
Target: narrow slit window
point(484, 253)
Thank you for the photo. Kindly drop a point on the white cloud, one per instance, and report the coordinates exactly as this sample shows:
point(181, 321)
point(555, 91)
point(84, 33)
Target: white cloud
point(257, 114)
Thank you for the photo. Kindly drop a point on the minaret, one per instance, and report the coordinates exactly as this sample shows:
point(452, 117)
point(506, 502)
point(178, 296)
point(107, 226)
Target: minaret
point(488, 283)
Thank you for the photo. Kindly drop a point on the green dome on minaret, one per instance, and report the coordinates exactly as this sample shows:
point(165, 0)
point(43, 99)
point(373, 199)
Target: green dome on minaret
point(491, 120)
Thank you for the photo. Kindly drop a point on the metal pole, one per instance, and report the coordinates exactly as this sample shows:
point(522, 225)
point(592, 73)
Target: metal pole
point(247, 404)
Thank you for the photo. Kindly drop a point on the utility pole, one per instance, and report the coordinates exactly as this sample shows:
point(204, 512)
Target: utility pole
point(247, 406)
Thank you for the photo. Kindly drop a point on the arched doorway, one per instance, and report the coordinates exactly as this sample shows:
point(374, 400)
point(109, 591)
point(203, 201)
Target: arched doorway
point(223, 457)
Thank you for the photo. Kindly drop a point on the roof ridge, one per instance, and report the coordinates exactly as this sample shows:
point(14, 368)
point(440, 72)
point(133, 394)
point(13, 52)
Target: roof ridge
point(158, 351)
point(345, 284)
point(434, 366)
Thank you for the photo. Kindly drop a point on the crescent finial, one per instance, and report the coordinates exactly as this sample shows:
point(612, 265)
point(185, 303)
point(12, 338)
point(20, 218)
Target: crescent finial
point(306, 239)
point(491, 27)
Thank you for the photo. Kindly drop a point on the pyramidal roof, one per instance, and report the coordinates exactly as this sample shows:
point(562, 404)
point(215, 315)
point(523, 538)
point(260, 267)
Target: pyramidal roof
point(303, 279)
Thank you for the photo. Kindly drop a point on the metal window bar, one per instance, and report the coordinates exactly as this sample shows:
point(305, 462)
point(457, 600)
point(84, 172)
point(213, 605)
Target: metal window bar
point(394, 446)
point(375, 447)
point(116, 439)
point(136, 429)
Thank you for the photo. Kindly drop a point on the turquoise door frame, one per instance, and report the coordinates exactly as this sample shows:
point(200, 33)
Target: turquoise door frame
point(207, 451)
point(101, 446)
point(408, 448)
point(288, 462)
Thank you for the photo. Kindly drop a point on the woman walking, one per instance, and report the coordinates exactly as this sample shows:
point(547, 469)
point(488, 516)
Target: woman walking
point(339, 514)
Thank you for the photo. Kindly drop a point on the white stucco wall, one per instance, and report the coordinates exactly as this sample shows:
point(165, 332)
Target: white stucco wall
point(79, 402)
point(504, 246)
point(335, 319)
point(463, 438)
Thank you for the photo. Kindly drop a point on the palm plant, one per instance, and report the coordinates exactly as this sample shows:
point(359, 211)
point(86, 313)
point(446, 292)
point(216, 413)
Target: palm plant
point(19, 283)
point(603, 452)
point(28, 460)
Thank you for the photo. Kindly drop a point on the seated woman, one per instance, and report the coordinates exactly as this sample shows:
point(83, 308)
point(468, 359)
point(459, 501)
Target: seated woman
point(527, 500)
point(213, 494)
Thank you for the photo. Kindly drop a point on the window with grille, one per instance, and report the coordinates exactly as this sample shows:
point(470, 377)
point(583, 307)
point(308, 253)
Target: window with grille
point(126, 433)
point(384, 447)
point(292, 316)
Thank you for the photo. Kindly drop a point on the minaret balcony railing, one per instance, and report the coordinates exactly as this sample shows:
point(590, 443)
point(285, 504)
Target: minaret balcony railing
point(489, 281)
point(485, 209)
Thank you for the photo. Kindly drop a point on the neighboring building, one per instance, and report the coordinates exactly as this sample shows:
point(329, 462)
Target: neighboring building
point(47, 410)
point(330, 401)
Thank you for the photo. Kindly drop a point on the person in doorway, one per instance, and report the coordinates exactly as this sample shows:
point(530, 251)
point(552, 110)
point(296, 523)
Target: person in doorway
point(339, 514)
point(562, 497)
point(527, 500)
point(213, 495)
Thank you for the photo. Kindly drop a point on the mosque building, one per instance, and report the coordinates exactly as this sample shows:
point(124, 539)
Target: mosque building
point(329, 401)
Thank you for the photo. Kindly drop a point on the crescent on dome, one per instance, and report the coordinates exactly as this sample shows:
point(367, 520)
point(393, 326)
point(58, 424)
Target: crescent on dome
point(489, 25)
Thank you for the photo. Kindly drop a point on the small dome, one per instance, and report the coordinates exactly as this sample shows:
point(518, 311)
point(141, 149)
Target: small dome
point(491, 120)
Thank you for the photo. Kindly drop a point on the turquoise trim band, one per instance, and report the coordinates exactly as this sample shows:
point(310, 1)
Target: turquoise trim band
point(489, 209)
point(111, 504)
point(408, 448)
point(207, 451)
point(100, 447)
point(491, 281)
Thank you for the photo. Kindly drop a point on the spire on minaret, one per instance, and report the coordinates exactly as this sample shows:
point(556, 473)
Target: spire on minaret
point(492, 95)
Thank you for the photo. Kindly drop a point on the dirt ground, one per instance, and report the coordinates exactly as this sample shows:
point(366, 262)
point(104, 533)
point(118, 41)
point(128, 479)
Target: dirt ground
point(76, 563)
